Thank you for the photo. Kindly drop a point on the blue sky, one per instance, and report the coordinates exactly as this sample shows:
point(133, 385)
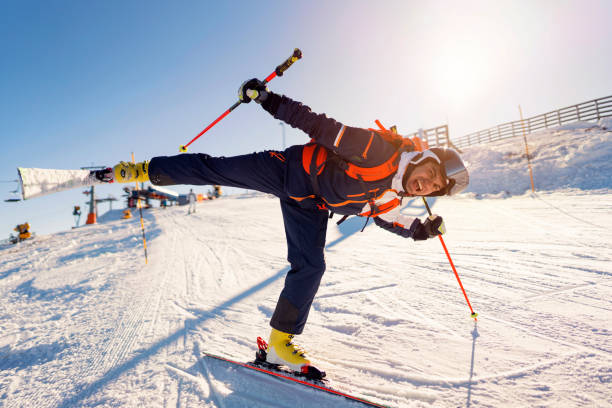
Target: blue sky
point(87, 83)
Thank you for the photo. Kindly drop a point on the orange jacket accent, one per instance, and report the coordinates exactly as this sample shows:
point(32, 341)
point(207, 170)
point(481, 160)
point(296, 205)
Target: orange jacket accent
point(307, 154)
point(278, 155)
point(357, 172)
point(374, 173)
point(365, 151)
point(381, 209)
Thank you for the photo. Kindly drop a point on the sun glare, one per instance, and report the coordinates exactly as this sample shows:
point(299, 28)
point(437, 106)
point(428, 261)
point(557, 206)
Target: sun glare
point(460, 72)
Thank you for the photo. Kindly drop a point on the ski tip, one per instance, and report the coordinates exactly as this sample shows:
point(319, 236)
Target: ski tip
point(182, 148)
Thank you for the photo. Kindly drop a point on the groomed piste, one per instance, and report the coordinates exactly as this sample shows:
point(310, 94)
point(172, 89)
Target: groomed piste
point(84, 322)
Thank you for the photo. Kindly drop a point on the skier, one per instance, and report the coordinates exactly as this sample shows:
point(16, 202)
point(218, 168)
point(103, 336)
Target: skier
point(191, 197)
point(77, 215)
point(24, 233)
point(345, 170)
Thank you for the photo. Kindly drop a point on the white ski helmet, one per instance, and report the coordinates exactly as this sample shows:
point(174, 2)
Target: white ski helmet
point(453, 170)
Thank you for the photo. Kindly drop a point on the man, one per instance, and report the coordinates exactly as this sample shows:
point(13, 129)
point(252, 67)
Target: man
point(191, 198)
point(345, 170)
point(24, 233)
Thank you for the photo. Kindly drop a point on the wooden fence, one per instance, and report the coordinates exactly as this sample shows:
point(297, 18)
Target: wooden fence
point(434, 137)
point(586, 111)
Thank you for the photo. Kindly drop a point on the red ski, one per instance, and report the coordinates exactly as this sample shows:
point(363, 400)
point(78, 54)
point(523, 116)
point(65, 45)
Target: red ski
point(317, 384)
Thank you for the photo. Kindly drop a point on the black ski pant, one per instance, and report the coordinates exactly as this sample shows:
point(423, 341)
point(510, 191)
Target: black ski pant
point(305, 228)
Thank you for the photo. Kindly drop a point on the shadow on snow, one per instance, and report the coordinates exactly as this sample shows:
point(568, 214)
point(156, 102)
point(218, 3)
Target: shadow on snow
point(475, 335)
point(96, 249)
point(37, 355)
point(67, 292)
point(86, 389)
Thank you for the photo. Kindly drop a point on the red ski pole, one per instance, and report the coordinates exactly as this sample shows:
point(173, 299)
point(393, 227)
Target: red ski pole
point(297, 54)
point(474, 314)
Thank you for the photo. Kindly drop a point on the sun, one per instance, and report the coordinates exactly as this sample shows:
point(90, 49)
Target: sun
point(459, 72)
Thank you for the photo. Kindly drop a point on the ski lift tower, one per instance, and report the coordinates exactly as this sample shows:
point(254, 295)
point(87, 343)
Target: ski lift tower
point(93, 208)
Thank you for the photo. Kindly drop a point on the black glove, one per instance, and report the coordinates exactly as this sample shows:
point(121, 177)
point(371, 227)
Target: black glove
point(253, 89)
point(432, 227)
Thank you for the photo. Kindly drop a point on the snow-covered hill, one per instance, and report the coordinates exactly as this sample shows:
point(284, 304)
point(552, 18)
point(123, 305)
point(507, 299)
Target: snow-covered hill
point(577, 155)
point(84, 322)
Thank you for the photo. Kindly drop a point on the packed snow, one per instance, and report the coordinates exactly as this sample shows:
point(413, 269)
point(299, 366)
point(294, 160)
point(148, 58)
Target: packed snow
point(85, 322)
point(576, 155)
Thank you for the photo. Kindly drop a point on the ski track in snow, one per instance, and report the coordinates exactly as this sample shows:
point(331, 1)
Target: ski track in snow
point(84, 322)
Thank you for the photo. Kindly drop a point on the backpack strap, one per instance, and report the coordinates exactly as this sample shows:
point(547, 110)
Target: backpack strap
point(371, 201)
point(314, 170)
point(374, 173)
point(341, 220)
point(390, 136)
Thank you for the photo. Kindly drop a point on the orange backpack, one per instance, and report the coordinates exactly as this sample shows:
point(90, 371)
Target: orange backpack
point(365, 173)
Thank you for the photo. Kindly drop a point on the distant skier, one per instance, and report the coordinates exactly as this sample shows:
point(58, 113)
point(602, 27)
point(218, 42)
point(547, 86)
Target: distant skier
point(76, 212)
point(23, 231)
point(345, 170)
point(191, 198)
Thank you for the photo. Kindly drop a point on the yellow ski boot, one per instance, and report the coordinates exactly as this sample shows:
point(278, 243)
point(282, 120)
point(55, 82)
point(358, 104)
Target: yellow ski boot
point(126, 172)
point(281, 351)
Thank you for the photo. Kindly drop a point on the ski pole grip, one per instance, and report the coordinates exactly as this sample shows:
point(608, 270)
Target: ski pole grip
point(297, 54)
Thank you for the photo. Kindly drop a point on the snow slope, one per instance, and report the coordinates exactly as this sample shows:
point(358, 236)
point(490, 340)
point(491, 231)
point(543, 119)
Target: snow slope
point(84, 322)
point(577, 155)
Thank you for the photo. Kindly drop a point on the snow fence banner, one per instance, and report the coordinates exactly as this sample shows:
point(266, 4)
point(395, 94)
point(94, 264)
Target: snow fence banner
point(39, 182)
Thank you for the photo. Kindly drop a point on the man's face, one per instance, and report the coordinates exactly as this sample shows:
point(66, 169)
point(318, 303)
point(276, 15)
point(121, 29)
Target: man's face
point(425, 179)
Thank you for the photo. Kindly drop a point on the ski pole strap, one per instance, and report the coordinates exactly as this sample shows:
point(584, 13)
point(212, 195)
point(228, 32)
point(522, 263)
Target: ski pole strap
point(366, 223)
